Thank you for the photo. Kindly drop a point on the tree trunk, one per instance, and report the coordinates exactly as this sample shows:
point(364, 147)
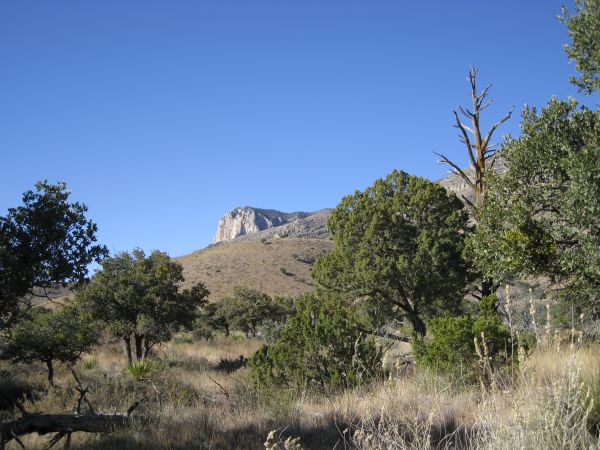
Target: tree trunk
point(147, 347)
point(139, 351)
point(487, 287)
point(226, 331)
point(64, 424)
point(127, 346)
point(50, 372)
point(418, 324)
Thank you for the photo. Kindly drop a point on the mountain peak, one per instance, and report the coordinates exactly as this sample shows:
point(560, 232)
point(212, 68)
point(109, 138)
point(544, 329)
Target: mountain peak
point(245, 220)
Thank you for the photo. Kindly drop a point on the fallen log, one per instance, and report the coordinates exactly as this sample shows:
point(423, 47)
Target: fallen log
point(64, 424)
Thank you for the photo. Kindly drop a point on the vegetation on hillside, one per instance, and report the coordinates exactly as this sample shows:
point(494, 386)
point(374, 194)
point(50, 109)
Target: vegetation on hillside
point(394, 348)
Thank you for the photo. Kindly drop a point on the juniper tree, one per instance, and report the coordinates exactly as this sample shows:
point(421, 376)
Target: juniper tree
point(397, 250)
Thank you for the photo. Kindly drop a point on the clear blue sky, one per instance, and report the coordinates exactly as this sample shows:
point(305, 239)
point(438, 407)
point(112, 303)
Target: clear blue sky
point(163, 115)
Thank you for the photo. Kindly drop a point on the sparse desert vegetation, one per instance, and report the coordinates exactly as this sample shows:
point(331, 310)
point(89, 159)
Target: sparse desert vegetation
point(550, 403)
point(258, 264)
point(425, 315)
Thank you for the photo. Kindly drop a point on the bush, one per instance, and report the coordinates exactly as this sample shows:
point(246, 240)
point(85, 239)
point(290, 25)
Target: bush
point(229, 365)
point(451, 347)
point(49, 336)
point(183, 338)
point(321, 345)
point(202, 331)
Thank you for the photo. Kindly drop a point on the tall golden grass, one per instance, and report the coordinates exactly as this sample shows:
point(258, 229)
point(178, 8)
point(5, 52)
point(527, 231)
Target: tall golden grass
point(551, 401)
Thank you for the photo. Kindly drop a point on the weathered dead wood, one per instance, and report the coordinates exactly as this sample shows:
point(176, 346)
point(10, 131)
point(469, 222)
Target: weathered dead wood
point(479, 148)
point(63, 424)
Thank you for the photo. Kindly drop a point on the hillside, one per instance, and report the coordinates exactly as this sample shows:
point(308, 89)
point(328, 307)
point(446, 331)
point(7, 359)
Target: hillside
point(277, 266)
point(271, 250)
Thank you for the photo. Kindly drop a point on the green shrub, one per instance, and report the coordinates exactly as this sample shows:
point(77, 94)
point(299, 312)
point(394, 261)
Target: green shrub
point(90, 363)
point(451, 347)
point(321, 346)
point(202, 331)
point(183, 338)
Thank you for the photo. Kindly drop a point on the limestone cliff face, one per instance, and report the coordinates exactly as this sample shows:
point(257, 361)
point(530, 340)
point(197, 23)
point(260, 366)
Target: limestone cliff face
point(247, 220)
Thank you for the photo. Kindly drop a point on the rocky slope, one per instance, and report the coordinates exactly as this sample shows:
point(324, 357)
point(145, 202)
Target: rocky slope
point(247, 220)
point(275, 265)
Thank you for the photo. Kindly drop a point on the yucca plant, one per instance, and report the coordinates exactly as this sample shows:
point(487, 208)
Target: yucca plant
point(90, 363)
point(141, 370)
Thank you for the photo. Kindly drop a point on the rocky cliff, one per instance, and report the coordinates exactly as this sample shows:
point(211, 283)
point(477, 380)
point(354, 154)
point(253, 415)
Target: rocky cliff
point(247, 220)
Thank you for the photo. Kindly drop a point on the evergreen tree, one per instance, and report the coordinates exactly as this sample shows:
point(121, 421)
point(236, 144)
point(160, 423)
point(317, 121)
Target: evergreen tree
point(320, 346)
point(397, 250)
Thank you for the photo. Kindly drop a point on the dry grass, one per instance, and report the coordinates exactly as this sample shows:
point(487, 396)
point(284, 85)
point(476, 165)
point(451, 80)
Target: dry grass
point(548, 405)
point(256, 264)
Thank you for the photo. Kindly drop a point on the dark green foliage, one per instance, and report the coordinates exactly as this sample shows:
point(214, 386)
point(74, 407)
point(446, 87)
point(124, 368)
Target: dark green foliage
point(398, 248)
point(248, 308)
point(584, 51)
point(44, 243)
point(320, 346)
point(212, 317)
point(451, 347)
point(50, 336)
point(138, 296)
point(230, 365)
point(542, 217)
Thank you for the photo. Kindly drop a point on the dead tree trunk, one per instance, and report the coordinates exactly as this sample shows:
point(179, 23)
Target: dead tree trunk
point(62, 425)
point(479, 148)
point(482, 153)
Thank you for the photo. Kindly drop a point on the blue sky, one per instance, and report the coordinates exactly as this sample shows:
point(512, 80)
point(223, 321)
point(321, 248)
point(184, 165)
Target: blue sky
point(163, 115)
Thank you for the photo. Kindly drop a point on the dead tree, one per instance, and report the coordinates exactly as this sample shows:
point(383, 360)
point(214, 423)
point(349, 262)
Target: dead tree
point(62, 425)
point(482, 153)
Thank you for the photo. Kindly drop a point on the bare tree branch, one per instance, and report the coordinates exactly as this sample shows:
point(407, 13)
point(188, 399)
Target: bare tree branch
point(223, 390)
point(466, 140)
point(457, 170)
point(133, 407)
point(467, 201)
point(18, 441)
point(496, 125)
